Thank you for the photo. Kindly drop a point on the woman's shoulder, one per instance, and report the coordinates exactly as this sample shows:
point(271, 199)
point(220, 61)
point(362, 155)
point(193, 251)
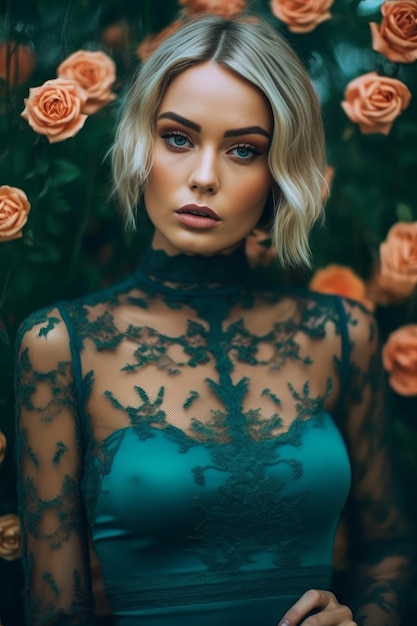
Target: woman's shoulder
point(317, 312)
point(319, 303)
point(52, 327)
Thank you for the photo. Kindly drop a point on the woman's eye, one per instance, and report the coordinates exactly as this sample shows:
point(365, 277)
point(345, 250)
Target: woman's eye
point(244, 152)
point(176, 140)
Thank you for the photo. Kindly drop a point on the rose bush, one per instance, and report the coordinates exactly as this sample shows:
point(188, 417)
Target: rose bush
point(301, 16)
point(3, 446)
point(398, 253)
point(342, 281)
point(95, 73)
point(375, 101)
point(396, 36)
point(54, 109)
point(14, 209)
point(10, 537)
point(399, 357)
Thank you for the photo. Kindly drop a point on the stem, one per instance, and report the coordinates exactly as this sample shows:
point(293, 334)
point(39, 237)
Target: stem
point(89, 192)
point(65, 28)
point(6, 291)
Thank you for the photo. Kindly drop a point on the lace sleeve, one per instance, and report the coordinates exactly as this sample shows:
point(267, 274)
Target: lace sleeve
point(57, 585)
point(380, 533)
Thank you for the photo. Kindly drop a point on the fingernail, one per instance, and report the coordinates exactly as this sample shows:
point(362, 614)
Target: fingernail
point(284, 623)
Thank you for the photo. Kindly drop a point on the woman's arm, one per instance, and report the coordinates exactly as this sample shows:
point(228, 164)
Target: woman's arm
point(55, 560)
point(382, 546)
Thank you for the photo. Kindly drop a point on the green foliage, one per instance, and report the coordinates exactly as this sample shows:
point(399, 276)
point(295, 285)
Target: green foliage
point(74, 241)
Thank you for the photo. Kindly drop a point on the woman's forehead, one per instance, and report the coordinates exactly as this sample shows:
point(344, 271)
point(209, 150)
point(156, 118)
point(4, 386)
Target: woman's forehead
point(210, 90)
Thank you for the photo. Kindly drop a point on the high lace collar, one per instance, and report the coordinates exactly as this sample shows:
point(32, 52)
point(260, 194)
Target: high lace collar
point(184, 274)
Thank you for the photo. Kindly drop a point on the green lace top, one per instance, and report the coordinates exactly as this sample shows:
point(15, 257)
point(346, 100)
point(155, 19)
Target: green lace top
point(201, 433)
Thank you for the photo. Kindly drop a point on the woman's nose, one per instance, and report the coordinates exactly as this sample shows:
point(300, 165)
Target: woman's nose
point(204, 176)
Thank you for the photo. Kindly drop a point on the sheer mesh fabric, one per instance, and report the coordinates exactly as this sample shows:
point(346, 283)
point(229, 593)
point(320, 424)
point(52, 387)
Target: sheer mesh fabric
point(219, 363)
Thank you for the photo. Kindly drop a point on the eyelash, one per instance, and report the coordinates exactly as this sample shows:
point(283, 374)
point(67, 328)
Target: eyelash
point(250, 148)
point(172, 134)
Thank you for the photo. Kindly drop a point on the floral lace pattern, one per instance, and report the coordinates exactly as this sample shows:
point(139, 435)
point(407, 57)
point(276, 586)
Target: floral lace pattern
point(238, 369)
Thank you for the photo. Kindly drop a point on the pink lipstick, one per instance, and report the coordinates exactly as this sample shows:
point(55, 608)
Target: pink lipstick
point(195, 216)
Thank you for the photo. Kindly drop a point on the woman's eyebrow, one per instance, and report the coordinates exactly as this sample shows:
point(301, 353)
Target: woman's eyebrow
point(170, 115)
point(248, 130)
point(235, 132)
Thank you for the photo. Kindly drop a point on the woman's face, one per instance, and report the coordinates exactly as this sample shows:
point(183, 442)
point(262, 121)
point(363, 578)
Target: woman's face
point(210, 177)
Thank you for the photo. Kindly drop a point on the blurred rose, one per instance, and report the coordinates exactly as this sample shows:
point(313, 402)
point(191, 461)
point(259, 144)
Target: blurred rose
point(3, 446)
point(399, 357)
point(95, 73)
point(385, 290)
point(151, 42)
point(342, 281)
point(116, 36)
point(398, 253)
point(396, 37)
point(10, 538)
point(374, 101)
point(21, 62)
point(14, 209)
point(259, 249)
point(54, 109)
point(226, 8)
point(301, 16)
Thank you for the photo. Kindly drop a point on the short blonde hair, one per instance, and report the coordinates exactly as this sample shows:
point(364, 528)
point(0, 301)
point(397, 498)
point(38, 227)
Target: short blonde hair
point(256, 52)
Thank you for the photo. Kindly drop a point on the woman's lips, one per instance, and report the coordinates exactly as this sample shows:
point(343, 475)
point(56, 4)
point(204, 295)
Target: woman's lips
point(196, 216)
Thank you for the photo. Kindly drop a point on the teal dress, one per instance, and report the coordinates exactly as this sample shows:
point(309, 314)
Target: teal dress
point(189, 428)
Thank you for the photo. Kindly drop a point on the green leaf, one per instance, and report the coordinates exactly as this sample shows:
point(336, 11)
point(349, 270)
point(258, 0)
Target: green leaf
point(45, 254)
point(63, 172)
point(403, 212)
point(58, 204)
point(41, 167)
point(54, 223)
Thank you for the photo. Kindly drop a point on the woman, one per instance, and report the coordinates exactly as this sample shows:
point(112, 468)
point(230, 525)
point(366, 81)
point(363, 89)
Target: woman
point(205, 430)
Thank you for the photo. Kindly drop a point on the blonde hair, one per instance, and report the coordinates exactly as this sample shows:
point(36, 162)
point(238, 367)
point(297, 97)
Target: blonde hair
point(256, 52)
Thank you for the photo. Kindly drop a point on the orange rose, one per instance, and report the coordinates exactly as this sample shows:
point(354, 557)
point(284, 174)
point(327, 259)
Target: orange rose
point(3, 446)
point(399, 357)
point(54, 109)
point(95, 73)
point(301, 16)
point(10, 538)
point(14, 209)
point(225, 8)
point(374, 101)
point(151, 42)
point(398, 253)
point(396, 37)
point(342, 281)
point(17, 62)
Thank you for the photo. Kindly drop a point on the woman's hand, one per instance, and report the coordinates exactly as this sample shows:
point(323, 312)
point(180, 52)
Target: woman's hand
point(327, 611)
